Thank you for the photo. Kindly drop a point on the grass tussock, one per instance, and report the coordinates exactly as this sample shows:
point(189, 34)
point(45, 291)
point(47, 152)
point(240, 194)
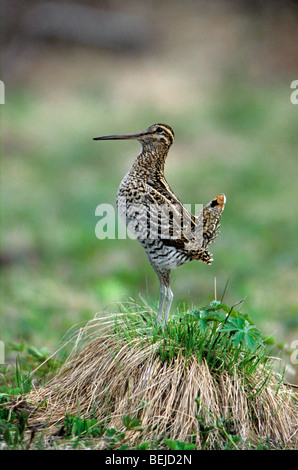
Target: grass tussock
point(192, 382)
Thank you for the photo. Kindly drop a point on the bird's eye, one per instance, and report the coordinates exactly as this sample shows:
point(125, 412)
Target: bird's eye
point(159, 129)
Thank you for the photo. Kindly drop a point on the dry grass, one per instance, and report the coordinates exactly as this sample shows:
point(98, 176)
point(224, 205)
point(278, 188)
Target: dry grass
point(108, 376)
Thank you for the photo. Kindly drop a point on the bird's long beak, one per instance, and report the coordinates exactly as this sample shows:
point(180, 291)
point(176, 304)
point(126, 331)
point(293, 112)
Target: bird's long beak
point(121, 136)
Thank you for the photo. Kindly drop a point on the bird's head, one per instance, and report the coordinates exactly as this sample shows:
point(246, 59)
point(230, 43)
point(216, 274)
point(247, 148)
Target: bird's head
point(155, 136)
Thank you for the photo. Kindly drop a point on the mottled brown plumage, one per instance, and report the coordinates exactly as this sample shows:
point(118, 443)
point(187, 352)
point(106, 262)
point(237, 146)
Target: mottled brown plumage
point(170, 235)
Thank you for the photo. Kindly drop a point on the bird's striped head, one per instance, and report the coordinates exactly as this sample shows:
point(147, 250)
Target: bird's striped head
point(160, 133)
point(155, 135)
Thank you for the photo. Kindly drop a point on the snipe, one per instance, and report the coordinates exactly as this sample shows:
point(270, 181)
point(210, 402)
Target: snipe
point(170, 235)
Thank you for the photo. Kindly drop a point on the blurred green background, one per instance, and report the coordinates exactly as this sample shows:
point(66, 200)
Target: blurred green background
point(219, 73)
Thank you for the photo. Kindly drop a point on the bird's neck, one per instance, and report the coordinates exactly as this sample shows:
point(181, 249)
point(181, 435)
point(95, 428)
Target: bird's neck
point(151, 161)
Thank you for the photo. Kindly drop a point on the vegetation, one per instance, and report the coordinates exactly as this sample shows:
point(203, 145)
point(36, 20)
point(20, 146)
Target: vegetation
point(205, 381)
point(57, 273)
point(228, 100)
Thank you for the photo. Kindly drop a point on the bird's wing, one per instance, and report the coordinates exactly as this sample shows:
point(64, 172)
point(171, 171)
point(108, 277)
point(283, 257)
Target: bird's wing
point(153, 213)
point(197, 230)
point(157, 213)
point(169, 219)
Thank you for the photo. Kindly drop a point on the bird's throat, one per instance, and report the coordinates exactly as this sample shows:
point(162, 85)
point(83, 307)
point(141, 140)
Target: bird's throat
point(151, 161)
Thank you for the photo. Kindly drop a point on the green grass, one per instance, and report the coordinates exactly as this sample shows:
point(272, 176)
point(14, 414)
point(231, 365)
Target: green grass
point(240, 140)
point(57, 273)
point(226, 339)
point(218, 334)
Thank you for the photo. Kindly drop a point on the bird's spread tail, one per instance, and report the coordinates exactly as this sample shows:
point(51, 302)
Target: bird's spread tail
point(210, 216)
point(212, 213)
point(202, 255)
point(218, 202)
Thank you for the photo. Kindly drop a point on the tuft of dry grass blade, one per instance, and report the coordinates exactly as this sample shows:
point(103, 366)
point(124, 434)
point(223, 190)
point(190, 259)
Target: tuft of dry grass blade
point(108, 376)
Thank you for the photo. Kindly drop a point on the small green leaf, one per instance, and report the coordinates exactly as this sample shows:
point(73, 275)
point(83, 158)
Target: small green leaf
point(40, 355)
point(110, 432)
point(178, 445)
point(131, 423)
point(142, 446)
point(238, 338)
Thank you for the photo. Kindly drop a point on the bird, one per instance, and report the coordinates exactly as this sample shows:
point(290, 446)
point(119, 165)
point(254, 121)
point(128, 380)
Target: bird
point(170, 234)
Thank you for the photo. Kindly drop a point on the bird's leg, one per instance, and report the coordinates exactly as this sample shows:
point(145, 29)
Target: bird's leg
point(169, 300)
point(161, 303)
point(165, 294)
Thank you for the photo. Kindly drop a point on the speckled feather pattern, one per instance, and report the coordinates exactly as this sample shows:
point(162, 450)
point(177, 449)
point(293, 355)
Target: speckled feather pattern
point(145, 186)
